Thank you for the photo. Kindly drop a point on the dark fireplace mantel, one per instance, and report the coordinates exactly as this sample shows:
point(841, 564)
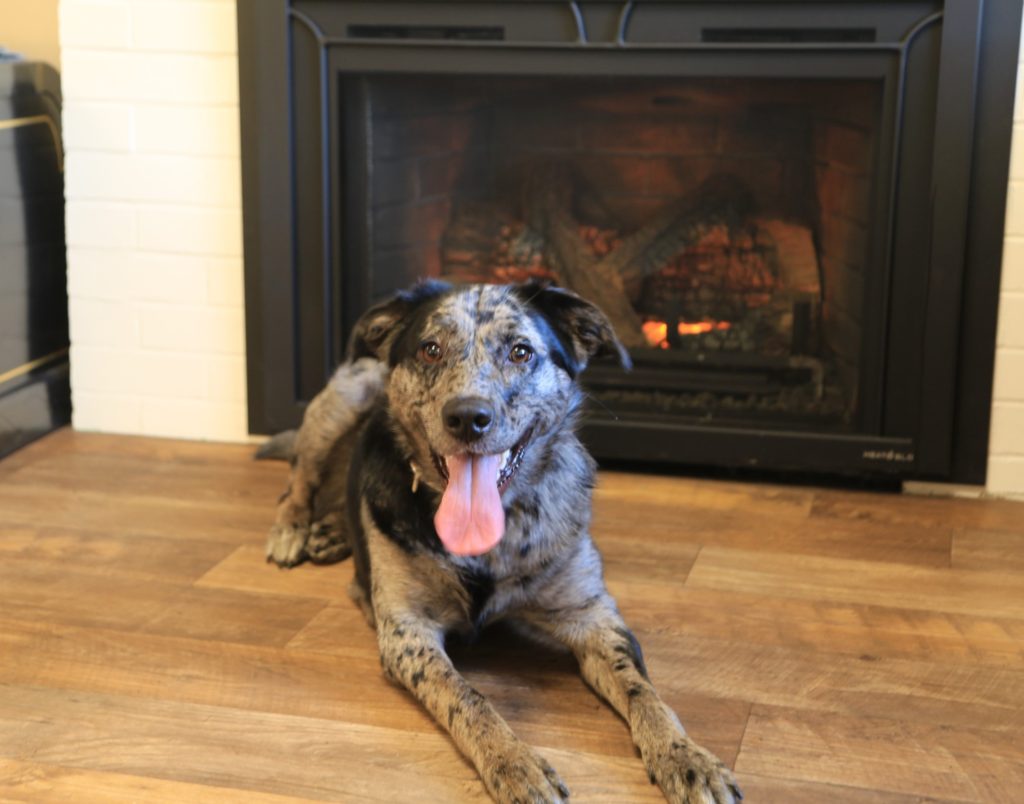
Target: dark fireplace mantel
point(864, 148)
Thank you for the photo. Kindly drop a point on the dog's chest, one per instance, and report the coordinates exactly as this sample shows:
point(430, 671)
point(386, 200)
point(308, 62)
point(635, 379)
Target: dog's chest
point(507, 576)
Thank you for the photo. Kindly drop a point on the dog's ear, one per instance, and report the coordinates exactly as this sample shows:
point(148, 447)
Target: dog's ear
point(583, 330)
point(376, 329)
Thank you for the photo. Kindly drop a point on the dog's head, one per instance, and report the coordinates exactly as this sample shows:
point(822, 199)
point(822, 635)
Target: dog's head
point(482, 376)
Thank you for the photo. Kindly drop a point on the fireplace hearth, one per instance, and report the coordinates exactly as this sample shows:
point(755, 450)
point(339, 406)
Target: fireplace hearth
point(784, 208)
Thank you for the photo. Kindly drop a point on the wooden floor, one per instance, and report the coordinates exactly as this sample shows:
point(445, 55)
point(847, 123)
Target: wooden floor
point(832, 646)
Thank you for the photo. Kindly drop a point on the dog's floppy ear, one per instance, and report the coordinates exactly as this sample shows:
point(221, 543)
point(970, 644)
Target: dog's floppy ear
point(375, 331)
point(583, 330)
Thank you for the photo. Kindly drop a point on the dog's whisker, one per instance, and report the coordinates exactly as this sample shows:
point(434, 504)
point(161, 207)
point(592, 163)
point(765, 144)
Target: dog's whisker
point(600, 402)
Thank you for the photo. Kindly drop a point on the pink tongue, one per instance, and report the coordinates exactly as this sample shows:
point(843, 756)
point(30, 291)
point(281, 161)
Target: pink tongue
point(470, 519)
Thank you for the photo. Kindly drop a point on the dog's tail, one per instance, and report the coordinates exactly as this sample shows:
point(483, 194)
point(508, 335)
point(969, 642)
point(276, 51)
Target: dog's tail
point(280, 447)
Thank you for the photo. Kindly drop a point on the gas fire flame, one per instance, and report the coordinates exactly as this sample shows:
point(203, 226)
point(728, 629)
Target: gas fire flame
point(656, 332)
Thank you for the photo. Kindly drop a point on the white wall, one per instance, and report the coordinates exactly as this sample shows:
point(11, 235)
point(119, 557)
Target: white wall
point(154, 222)
point(1006, 437)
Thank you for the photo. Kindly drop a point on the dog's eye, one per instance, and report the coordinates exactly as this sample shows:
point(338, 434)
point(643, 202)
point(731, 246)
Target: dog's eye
point(521, 353)
point(431, 352)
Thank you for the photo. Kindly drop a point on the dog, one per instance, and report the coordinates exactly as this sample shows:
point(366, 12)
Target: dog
point(443, 456)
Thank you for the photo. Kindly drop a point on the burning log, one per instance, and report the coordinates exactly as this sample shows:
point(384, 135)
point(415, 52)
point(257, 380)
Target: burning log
point(700, 273)
point(613, 280)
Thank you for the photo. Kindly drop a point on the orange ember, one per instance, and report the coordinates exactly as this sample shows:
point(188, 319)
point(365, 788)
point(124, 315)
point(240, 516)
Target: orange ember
point(656, 332)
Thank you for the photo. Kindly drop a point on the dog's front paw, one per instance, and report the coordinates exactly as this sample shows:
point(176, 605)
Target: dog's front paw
point(522, 775)
point(286, 545)
point(328, 542)
point(688, 774)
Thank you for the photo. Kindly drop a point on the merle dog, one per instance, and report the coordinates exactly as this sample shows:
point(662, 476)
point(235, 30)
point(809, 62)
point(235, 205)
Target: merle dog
point(442, 454)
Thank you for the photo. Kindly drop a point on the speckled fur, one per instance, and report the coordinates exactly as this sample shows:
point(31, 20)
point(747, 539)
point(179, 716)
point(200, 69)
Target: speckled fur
point(545, 575)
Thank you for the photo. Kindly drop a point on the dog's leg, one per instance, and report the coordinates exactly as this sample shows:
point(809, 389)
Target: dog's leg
point(612, 664)
point(412, 654)
point(413, 598)
point(330, 416)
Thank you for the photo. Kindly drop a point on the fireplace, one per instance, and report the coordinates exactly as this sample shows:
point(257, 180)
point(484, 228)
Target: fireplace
point(771, 203)
point(723, 224)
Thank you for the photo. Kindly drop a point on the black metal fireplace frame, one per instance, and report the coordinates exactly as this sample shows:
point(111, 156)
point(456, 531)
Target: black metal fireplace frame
point(941, 433)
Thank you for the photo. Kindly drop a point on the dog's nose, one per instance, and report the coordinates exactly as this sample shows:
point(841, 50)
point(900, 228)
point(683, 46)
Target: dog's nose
point(468, 417)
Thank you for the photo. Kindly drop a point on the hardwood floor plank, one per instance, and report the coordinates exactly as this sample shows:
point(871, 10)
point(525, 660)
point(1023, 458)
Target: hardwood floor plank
point(927, 692)
point(988, 550)
point(651, 559)
point(214, 520)
point(35, 782)
point(49, 592)
point(227, 615)
point(247, 570)
point(124, 553)
point(994, 778)
point(875, 754)
point(146, 478)
point(762, 499)
point(67, 442)
point(52, 592)
point(850, 629)
point(665, 525)
point(759, 789)
point(902, 509)
point(978, 593)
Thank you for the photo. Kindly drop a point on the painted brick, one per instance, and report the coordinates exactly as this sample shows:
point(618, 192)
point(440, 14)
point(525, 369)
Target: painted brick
point(95, 25)
point(103, 323)
point(91, 223)
point(1005, 475)
point(185, 230)
point(1017, 152)
point(140, 373)
point(1013, 264)
point(226, 283)
point(171, 375)
point(200, 330)
point(1009, 376)
point(184, 27)
point(101, 371)
point(98, 274)
point(105, 413)
point(199, 130)
point(149, 77)
point(226, 379)
point(1006, 436)
point(190, 180)
point(173, 278)
point(1015, 209)
point(1011, 320)
point(176, 418)
point(97, 126)
point(1018, 107)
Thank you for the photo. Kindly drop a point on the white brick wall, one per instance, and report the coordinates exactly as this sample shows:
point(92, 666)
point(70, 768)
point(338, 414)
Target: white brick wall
point(154, 217)
point(1006, 436)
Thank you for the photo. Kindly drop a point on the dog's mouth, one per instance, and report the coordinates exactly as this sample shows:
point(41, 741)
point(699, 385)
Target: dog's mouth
point(470, 519)
point(511, 460)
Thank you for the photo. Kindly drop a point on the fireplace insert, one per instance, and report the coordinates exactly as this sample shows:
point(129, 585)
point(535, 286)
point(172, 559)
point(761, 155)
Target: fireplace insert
point(790, 211)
